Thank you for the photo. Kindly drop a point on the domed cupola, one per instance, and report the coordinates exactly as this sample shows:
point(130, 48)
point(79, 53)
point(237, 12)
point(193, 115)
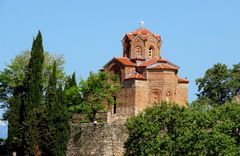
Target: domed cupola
point(142, 44)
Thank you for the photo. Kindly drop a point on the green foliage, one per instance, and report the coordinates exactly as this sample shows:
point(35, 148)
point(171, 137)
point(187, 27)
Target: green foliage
point(168, 129)
point(72, 95)
point(2, 140)
point(219, 84)
point(55, 141)
point(234, 81)
point(73, 81)
point(5, 89)
point(38, 119)
point(214, 84)
point(12, 91)
point(15, 118)
point(94, 94)
point(32, 98)
point(14, 74)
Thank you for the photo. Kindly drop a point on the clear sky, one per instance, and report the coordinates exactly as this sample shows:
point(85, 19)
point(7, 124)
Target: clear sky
point(195, 34)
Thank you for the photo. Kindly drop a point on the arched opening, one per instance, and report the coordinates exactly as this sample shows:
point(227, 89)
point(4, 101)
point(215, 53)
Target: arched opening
point(138, 51)
point(168, 96)
point(156, 96)
point(150, 51)
point(115, 105)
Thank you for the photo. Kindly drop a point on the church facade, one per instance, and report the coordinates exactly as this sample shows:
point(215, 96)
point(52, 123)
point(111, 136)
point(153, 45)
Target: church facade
point(146, 78)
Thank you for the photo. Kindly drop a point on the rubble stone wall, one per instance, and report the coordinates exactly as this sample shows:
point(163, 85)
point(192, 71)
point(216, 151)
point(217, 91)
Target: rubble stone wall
point(97, 139)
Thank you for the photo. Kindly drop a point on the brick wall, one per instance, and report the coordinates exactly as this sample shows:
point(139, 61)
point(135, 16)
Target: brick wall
point(162, 86)
point(182, 94)
point(141, 95)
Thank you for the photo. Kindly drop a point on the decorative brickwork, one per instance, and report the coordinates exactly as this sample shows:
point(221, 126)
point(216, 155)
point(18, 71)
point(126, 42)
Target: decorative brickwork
point(146, 78)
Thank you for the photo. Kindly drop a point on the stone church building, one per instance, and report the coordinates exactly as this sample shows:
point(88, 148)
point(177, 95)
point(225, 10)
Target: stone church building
point(146, 78)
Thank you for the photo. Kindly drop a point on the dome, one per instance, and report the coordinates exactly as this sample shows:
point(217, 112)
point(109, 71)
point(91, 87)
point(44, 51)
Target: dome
point(143, 32)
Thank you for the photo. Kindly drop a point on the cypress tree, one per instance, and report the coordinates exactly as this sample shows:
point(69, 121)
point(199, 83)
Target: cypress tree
point(68, 83)
point(32, 99)
point(58, 118)
point(72, 97)
point(14, 120)
point(73, 82)
point(61, 120)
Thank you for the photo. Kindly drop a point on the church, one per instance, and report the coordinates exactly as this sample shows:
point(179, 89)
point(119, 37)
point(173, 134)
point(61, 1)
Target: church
point(146, 78)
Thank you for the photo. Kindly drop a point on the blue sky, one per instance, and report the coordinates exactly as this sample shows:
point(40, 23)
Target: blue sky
point(195, 34)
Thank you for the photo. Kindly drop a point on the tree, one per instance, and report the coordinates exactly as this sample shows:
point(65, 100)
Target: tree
point(234, 83)
point(72, 94)
point(14, 74)
point(32, 99)
point(58, 117)
point(95, 92)
point(214, 84)
point(61, 120)
point(219, 84)
point(12, 90)
point(73, 81)
point(15, 118)
point(168, 129)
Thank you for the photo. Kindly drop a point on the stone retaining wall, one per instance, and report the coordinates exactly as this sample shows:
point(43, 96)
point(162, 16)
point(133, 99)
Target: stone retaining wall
point(97, 139)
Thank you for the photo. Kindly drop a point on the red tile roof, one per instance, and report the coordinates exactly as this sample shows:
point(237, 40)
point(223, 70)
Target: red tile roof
point(143, 32)
point(136, 76)
point(164, 66)
point(138, 58)
point(158, 37)
point(181, 80)
point(130, 36)
point(125, 61)
point(152, 61)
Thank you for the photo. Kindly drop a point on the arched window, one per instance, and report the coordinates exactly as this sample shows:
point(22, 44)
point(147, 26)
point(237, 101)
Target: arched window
point(150, 52)
point(156, 96)
point(138, 51)
point(168, 96)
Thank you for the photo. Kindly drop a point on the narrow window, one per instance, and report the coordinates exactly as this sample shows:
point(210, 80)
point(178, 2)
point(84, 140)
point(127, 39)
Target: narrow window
point(115, 105)
point(150, 51)
point(138, 49)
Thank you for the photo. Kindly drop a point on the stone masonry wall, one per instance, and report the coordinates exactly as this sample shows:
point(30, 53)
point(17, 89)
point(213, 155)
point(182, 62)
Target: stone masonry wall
point(97, 139)
point(141, 95)
point(162, 86)
point(182, 94)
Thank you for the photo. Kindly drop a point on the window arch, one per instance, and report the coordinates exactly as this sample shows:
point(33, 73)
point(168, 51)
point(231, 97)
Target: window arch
point(150, 51)
point(138, 50)
point(169, 96)
point(156, 96)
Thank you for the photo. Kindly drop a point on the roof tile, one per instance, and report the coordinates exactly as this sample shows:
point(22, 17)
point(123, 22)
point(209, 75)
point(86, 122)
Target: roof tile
point(152, 61)
point(136, 76)
point(164, 66)
point(144, 33)
point(125, 61)
point(182, 80)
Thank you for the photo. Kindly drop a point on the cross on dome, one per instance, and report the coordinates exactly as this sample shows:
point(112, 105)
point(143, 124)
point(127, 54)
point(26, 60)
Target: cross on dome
point(141, 23)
